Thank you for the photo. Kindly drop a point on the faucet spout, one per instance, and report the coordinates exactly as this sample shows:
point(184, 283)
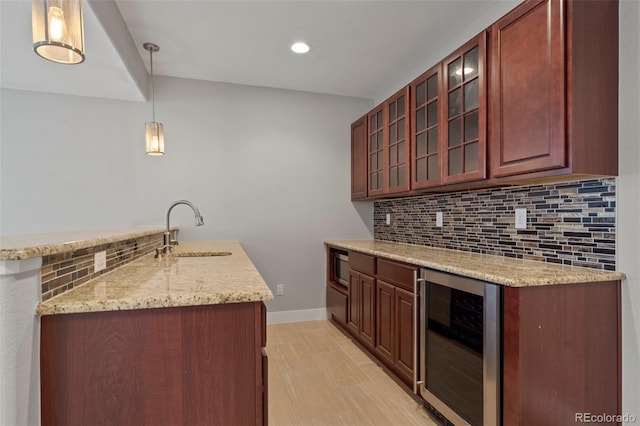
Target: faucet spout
point(167, 233)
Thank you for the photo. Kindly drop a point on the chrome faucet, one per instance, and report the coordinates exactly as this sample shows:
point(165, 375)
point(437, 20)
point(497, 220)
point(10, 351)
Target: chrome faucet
point(167, 241)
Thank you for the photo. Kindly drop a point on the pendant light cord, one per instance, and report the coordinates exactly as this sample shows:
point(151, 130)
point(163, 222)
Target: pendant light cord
point(153, 95)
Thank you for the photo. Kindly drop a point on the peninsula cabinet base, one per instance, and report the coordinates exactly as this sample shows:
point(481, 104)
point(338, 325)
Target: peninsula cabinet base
point(561, 353)
point(199, 365)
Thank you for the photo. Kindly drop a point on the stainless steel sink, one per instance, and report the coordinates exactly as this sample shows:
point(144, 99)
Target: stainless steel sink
point(200, 253)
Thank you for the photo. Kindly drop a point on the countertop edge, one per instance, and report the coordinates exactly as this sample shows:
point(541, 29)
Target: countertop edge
point(149, 303)
point(570, 274)
point(69, 303)
point(46, 249)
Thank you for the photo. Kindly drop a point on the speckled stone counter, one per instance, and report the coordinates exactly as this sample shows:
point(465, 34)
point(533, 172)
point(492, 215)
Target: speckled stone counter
point(169, 281)
point(496, 269)
point(38, 245)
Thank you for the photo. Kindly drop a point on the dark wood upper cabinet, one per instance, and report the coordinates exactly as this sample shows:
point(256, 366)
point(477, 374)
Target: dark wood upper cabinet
point(449, 119)
point(397, 142)
point(464, 104)
point(533, 97)
point(426, 127)
point(554, 88)
point(527, 90)
point(388, 146)
point(376, 150)
point(359, 159)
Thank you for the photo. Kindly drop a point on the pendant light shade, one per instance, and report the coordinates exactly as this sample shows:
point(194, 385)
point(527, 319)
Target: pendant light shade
point(154, 135)
point(154, 131)
point(58, 33)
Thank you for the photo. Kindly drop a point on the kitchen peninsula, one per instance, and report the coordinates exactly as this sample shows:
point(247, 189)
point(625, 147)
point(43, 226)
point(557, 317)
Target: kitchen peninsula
point(134, 345)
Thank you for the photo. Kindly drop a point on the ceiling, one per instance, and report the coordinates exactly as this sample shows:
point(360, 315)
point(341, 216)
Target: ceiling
point(359, 48)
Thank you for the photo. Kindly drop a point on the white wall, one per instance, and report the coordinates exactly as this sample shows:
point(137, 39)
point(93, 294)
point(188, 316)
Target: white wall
point(266, 167)
point(628, 198)
point(66, 162)
point(269, 168)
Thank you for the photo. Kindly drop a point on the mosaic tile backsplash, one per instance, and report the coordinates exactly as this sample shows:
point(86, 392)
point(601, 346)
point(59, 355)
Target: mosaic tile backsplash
point(64, 271)
point(571, 223)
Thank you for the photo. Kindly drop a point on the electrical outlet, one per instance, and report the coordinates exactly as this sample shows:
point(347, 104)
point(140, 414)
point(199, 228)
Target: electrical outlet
point(99, 261)
point(280, 290)
point(439, 219)
point(388, 219)
point(521, 218)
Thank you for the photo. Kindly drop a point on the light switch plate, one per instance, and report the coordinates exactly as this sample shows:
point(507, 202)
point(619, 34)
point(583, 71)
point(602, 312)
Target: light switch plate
point(388, 219)
point(439, 216)
point(521, 218)
point(279, 289)
point(99, 261)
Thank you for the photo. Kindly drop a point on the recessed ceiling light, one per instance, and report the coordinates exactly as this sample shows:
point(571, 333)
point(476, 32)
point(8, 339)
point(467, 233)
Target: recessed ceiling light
point(300, 47)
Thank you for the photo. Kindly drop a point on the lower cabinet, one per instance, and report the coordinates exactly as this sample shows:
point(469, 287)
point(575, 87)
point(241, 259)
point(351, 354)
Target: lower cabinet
point(561, 344)
point(404, 327)
point(170, 366)
point(394, 328)
point(361, 307)
point(379, 308)
point(337, 297)
point(395, 316)
point(561, 353)
point(385, 320)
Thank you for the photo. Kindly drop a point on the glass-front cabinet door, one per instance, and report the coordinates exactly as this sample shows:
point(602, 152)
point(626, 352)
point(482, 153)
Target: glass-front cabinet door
point(376, 152)
point(426, 123)
point(397, 146)
point(465, 108)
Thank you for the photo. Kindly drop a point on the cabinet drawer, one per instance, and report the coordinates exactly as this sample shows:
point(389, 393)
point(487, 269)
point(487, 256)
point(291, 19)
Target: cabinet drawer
point(337, 304)
point(362, 263)
point(396, 273)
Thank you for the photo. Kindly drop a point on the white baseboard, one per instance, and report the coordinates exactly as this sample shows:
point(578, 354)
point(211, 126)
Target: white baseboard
point(297, 316)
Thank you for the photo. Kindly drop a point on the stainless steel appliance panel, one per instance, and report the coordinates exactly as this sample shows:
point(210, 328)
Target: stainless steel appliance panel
point(459, 347)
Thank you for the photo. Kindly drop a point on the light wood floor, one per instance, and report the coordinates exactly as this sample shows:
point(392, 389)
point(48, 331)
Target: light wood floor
point(319, 377)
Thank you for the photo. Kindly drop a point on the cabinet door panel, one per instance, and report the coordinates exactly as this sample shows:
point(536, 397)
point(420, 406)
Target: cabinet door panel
point(404, 324)
point(426, 119)
point(368, 306)
point(385, 320)
point(465, 111)
point(354, 302)
point(376, 151)
point(528, 89)
point(359, 159)
point(396, 143)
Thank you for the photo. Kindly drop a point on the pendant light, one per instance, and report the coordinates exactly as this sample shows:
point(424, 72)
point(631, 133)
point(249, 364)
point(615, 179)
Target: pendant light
point(57, 28)
point(154, 131)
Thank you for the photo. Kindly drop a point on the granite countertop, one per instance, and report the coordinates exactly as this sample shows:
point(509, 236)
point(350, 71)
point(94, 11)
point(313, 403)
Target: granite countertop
point(38, 245)
point(168, 281)
point(496, 269)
